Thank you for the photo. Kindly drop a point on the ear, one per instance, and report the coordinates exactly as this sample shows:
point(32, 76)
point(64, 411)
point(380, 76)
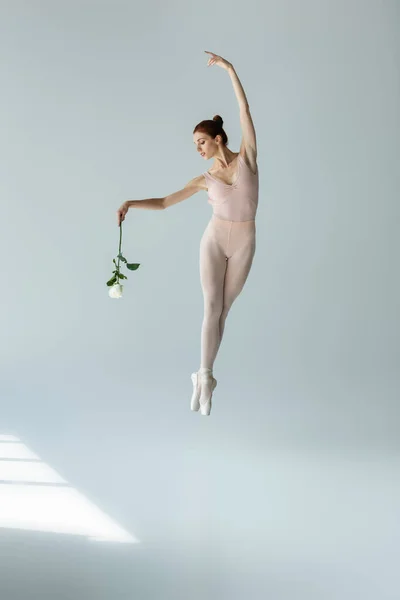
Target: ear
point(218, 139)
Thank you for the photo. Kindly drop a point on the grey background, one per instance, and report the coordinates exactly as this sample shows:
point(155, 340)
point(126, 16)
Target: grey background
point(291, 488)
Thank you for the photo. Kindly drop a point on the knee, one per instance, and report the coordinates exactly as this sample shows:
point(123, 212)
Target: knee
point(213, 309)
point(223, 316)
point(226, 308)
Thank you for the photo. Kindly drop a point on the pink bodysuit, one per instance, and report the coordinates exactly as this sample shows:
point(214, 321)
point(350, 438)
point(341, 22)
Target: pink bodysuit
point(236, 202)
point(226, 251)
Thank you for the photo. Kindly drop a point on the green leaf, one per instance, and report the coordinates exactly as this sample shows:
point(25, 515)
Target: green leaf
point(112, 281)
point(133, 266)
point(114, 262)
point(122, 258)
point(121, 276)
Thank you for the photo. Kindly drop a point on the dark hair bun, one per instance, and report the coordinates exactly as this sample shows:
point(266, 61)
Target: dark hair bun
point(218, 120)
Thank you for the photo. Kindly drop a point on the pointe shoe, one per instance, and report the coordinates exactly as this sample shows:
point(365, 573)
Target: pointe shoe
point(205, 406)
point(195, 401)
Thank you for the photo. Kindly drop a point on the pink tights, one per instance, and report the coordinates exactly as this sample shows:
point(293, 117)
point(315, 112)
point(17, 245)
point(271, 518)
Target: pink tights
point(226, 254)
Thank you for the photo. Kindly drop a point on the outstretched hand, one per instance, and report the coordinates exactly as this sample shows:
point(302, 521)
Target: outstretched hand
point(121, 212)
point(217, 60)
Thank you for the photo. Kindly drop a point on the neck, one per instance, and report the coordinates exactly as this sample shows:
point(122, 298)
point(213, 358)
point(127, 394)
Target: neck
point(224, 157)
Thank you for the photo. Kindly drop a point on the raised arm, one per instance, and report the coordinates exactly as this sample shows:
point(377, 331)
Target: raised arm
point(249, 141)
point(191, 188)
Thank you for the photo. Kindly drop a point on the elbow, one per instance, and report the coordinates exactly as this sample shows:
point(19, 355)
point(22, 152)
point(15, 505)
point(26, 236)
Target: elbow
point(162, 204)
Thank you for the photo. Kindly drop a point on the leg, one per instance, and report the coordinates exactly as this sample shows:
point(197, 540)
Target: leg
point(238, 269)
point(212, 273)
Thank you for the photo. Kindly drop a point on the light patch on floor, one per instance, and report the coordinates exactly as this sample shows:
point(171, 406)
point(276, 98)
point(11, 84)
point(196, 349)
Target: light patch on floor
point(33, 496)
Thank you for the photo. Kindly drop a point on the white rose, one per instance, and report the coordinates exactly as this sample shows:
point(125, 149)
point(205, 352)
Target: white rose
point(116, 290)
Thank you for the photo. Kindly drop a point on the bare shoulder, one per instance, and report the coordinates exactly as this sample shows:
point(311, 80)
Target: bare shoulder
point(198, 183)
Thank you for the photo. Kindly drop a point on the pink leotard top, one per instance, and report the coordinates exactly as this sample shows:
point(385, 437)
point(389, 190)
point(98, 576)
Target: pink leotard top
point(236, 202)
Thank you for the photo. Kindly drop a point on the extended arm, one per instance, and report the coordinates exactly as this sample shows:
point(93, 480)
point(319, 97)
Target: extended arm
point(238, 88)
point(191, 188)
point(249, 142)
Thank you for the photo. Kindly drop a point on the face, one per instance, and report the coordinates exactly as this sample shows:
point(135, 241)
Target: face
point(206, 146)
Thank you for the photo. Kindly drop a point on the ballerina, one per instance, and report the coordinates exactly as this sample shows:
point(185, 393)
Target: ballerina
point(228, 244)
